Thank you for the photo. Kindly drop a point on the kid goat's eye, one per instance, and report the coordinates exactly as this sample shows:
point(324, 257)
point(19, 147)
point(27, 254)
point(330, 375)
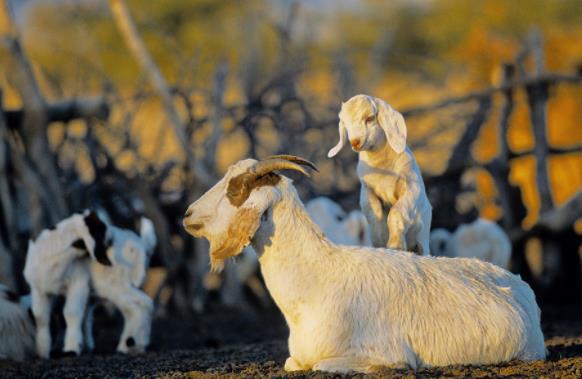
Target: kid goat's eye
point(369, 119)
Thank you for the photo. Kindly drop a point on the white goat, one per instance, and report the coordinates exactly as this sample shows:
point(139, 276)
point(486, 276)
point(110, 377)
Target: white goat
point(120, 283)
point(16, 328)
point(481, 239)
point(358, 308)
point(392, 196)
point(58, 263)
point(339, 227)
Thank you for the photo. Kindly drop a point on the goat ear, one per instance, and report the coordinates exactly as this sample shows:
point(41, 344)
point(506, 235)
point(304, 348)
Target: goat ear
point(342, 141)
point(238, 236)
point(392, 122)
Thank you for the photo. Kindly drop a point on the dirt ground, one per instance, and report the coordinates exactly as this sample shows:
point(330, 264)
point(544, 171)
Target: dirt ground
point(227, 343)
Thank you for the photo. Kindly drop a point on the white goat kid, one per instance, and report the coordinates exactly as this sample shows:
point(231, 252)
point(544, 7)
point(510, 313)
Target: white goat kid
point(120, 284)
point(339, 227)
point(481, 239)
point(58, 263)
point(392, 196)
point(16, 328)
point(358, 308)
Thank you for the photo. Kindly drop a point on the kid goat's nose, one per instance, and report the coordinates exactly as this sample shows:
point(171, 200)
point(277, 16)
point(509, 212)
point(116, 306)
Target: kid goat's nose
point(356, 143)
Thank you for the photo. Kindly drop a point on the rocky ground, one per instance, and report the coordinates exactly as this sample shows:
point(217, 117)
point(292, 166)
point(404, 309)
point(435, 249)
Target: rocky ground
point(234, 344)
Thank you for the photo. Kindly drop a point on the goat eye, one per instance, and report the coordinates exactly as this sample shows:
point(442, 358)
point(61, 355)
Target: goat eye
point(369, 119)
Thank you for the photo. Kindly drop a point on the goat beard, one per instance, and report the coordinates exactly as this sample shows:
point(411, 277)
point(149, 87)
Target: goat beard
point(237, 237)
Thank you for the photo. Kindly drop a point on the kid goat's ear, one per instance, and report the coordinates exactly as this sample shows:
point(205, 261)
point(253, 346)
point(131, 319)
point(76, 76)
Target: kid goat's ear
point(392, 122)
point(343, 138)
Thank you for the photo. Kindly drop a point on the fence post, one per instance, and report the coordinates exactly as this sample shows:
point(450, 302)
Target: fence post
point(537, 95)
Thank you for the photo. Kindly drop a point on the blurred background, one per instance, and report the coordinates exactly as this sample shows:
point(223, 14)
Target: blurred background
point(138, 107)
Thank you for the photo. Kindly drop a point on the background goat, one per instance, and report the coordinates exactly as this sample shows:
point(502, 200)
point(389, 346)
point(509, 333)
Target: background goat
point(482, 239)
point(119, 284)
point(357, 308)
point(57, 264)
point(16, 328)
point(336, 224)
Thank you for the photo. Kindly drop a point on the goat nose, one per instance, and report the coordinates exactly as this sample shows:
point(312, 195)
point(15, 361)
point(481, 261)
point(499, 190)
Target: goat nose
point(356, 143)
point(188, 213)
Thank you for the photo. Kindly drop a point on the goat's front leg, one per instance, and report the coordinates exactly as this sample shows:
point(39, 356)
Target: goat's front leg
point(344, 365)
point(41, 309)
point(292, 365)
point(74, 310)
point(373, 209)
point(398, 224)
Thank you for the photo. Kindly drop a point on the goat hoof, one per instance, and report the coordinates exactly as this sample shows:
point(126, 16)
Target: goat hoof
point(292, 365)
point(56, 354)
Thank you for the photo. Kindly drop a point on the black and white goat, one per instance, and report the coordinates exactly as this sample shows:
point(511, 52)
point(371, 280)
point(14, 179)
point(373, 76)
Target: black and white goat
point(82, 255)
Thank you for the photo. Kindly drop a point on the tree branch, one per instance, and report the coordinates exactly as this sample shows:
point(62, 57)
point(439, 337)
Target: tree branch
point(546, 79)
point(137, 47)
point(65, 111)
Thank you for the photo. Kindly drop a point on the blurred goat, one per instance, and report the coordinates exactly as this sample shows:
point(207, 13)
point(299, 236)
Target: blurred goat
point(16, 328)
point(339, 227)
point(481, 239)
point(80, 254)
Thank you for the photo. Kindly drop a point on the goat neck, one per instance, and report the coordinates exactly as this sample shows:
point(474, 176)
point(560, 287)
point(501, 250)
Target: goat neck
point(382, 155)
point(290, 246)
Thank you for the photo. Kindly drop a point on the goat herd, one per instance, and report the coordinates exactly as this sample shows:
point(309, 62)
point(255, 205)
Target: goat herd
point(349, 306)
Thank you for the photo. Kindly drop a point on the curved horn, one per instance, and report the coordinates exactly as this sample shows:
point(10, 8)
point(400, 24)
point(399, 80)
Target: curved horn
point(261, 174)
point(270, 165)
point(295, 159)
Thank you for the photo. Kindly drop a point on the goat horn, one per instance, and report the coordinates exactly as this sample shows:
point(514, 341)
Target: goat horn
point(295, 159)
point(273, 164)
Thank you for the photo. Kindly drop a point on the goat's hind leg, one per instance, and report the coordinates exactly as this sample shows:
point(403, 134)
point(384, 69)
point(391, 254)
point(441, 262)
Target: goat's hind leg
point(88, 328)
point(41, 309)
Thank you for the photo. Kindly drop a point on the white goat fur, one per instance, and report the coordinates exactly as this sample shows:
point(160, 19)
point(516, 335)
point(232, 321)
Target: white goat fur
point(16, 329)
point(357, 308)
point(339, 227)
point(392, 195)
point(55, 267)
point(481, 239)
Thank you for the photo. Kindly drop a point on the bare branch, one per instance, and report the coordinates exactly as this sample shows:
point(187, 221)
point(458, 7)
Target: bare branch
point(137, 47)
point(65, 111)
point(547, 79)
point(35, 112)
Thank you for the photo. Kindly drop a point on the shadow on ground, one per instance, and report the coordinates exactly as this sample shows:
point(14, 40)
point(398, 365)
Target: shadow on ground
point(228, 343)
